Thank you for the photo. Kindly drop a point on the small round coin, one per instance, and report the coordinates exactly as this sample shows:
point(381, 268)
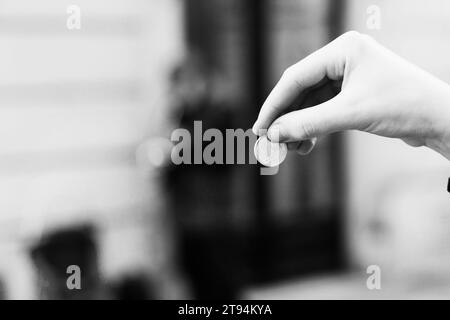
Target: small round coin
point(270, 154)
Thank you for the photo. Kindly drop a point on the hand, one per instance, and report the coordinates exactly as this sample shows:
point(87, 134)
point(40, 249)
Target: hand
point(377, 92)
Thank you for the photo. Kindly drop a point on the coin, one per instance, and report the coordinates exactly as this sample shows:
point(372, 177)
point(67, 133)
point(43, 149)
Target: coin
point(269, 154)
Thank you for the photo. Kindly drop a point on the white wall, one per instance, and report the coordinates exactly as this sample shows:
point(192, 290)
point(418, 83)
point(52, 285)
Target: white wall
point(74, 105)
point(383, 172)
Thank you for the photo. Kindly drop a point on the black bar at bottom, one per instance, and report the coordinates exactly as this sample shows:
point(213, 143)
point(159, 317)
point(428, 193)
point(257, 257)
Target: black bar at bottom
point(256, 309)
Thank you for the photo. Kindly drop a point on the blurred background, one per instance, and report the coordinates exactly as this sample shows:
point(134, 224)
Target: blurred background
point(86, 177)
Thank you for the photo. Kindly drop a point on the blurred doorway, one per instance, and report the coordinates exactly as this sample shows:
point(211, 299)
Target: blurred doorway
point(268, 228)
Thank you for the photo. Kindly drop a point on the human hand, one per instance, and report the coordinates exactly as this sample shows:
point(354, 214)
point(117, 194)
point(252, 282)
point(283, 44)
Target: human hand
point(367, 88)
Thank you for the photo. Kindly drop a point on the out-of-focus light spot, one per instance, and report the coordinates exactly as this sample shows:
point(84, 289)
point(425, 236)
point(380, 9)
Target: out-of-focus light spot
point(154, 153)
point(156, 156)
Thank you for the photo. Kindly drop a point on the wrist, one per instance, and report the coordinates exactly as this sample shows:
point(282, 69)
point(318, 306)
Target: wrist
point(440, 141)
point(442, 145)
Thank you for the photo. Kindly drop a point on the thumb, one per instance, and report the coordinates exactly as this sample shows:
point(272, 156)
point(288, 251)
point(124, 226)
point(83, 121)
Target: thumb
point(328, 117)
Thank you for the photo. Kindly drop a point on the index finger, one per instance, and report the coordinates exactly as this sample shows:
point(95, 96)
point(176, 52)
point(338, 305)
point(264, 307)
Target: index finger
point(293, 82)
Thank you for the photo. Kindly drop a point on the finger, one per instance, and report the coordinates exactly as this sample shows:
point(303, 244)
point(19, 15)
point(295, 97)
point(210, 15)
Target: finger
point(293, 146)
point(296, 79)
point(296, 146)
point(330, 116)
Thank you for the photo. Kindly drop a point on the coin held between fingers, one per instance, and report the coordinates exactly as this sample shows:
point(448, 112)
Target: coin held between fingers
point(268, 153)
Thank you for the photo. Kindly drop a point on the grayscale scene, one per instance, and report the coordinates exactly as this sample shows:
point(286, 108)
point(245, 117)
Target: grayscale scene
point(224, 150)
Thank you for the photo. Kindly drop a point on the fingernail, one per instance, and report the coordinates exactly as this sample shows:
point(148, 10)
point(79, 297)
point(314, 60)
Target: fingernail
point(255, 128)
point(305, 147)
point(293, 146)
